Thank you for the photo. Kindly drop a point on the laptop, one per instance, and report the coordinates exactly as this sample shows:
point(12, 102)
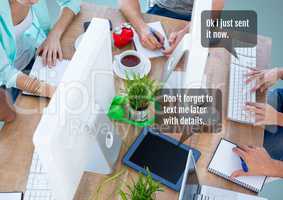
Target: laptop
point(192, 189)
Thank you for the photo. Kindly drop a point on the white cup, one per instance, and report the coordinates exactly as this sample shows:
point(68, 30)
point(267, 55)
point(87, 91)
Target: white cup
point(138, 69)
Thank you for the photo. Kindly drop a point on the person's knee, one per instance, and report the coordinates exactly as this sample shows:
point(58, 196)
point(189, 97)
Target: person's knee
point(9, 117)
point(7, 112)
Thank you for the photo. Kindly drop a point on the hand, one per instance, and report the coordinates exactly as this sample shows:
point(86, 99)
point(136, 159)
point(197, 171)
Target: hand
point(148, 39)
point(46, 90)
point(264, 78)
point(264, 114)
point(258, 161)
point(174, 40)
point(50, 91)
point(50, 50)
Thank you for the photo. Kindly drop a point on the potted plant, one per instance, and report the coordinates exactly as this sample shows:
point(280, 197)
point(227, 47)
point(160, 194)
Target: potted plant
point(144, 189)
point(140, 92)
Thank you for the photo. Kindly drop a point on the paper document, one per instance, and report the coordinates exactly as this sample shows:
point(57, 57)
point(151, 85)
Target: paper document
point(11, 196)
point(52, 75)
point(146, 52)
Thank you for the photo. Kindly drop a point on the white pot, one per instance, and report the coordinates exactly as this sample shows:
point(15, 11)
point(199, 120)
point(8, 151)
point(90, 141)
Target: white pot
point(138, 116)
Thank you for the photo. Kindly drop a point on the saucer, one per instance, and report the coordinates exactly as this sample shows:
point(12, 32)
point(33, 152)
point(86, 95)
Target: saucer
point(78, 41)
point(121, 73)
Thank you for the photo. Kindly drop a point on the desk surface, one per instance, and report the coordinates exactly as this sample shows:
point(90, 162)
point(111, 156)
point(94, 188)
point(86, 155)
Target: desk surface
point(16, 146)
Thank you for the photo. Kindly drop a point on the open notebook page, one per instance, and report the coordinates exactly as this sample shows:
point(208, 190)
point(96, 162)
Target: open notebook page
point(146, 52)
point(226, 162)
point(51, 75)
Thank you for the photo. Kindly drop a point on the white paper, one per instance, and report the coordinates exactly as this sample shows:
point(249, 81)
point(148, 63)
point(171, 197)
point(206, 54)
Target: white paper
point(51, 75)
point(11, 196)
point(226, 162)
point(146, 52)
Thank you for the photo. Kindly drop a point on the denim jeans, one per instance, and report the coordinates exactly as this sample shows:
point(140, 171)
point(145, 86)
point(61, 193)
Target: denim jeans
point(156, 10)
point(273, 135)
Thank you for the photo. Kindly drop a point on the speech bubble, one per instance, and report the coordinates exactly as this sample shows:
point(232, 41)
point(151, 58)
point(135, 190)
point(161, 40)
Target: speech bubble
point(229, 29)
point(188, 111)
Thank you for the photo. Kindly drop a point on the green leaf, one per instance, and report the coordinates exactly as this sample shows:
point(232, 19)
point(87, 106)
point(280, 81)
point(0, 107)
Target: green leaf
point(123, 195)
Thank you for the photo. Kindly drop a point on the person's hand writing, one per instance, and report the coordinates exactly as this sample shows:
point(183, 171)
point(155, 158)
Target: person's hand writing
point(265, 114)
point(50, 50)
point(264, 78)
point(149, 40)
point(258, 161)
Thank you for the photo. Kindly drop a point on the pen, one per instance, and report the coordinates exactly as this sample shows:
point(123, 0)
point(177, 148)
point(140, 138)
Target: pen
point(244, 165)
point(153, 32)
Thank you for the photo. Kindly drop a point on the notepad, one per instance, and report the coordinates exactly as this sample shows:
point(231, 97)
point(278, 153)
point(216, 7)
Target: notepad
point(11, 196)
point(225, 162)
point(51, 75)
point(146, 52)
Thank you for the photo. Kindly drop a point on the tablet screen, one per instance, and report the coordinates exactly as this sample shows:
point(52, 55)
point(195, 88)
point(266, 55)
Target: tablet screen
point(162, 157)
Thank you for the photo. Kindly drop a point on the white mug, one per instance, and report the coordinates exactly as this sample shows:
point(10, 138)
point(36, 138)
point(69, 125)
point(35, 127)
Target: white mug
point(138, 69)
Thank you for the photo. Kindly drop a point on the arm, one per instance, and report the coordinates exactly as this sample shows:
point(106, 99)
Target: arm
point(51, 47)
point(132, 11)
point(259, 162)
point(34, 86)
point(278, 169)
point(218, 5)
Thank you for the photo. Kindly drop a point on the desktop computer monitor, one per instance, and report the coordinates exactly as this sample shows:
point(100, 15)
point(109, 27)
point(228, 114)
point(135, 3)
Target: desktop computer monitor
point(74, 134)
point(190, 46)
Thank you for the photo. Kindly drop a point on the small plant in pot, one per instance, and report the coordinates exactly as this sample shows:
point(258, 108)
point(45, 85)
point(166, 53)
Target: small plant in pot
point(141, 92)
point(144, 189)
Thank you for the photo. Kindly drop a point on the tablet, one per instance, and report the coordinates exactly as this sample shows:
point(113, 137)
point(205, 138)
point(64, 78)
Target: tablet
point(162, 155)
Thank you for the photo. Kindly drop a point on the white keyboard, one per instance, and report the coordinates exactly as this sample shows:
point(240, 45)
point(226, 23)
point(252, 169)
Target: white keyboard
point(37, 185)
point(239, 91)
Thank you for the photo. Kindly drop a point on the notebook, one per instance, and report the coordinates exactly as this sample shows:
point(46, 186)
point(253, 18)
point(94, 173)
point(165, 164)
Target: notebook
point(11, 196)
point(146, 52)
point(52, 75)
point(224, 162)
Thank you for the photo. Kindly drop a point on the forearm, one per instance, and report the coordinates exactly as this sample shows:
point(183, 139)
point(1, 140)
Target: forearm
point(186, 29)
point(218, 4)
point(132, 11)
point(34, 86)
point(277, 169)
point(280, 119)
point(63, 22)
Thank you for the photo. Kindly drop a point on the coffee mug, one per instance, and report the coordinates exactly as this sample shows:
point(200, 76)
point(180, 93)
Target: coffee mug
point(130, 62)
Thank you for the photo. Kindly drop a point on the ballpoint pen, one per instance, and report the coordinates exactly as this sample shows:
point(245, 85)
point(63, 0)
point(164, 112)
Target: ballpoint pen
point(153, 32)
point(244, 165)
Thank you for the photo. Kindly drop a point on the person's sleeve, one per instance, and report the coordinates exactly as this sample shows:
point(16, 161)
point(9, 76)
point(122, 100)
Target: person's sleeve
point(8, 73)
point(73, 5)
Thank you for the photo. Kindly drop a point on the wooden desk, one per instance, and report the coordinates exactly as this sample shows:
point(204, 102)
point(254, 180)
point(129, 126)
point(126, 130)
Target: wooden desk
point(16, 146)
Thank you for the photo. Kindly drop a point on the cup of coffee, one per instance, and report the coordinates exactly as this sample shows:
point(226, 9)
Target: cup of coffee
point(130, 62)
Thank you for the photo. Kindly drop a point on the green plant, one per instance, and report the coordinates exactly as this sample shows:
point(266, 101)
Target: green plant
point(141, 91)
point(144, 189)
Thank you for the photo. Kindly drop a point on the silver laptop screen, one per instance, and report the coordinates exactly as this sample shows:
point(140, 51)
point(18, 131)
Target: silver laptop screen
point(192, 184)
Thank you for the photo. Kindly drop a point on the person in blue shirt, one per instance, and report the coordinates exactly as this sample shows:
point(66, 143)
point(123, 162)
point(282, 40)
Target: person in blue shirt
point(24, 27)
point(266, 160)
point(177, 9)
